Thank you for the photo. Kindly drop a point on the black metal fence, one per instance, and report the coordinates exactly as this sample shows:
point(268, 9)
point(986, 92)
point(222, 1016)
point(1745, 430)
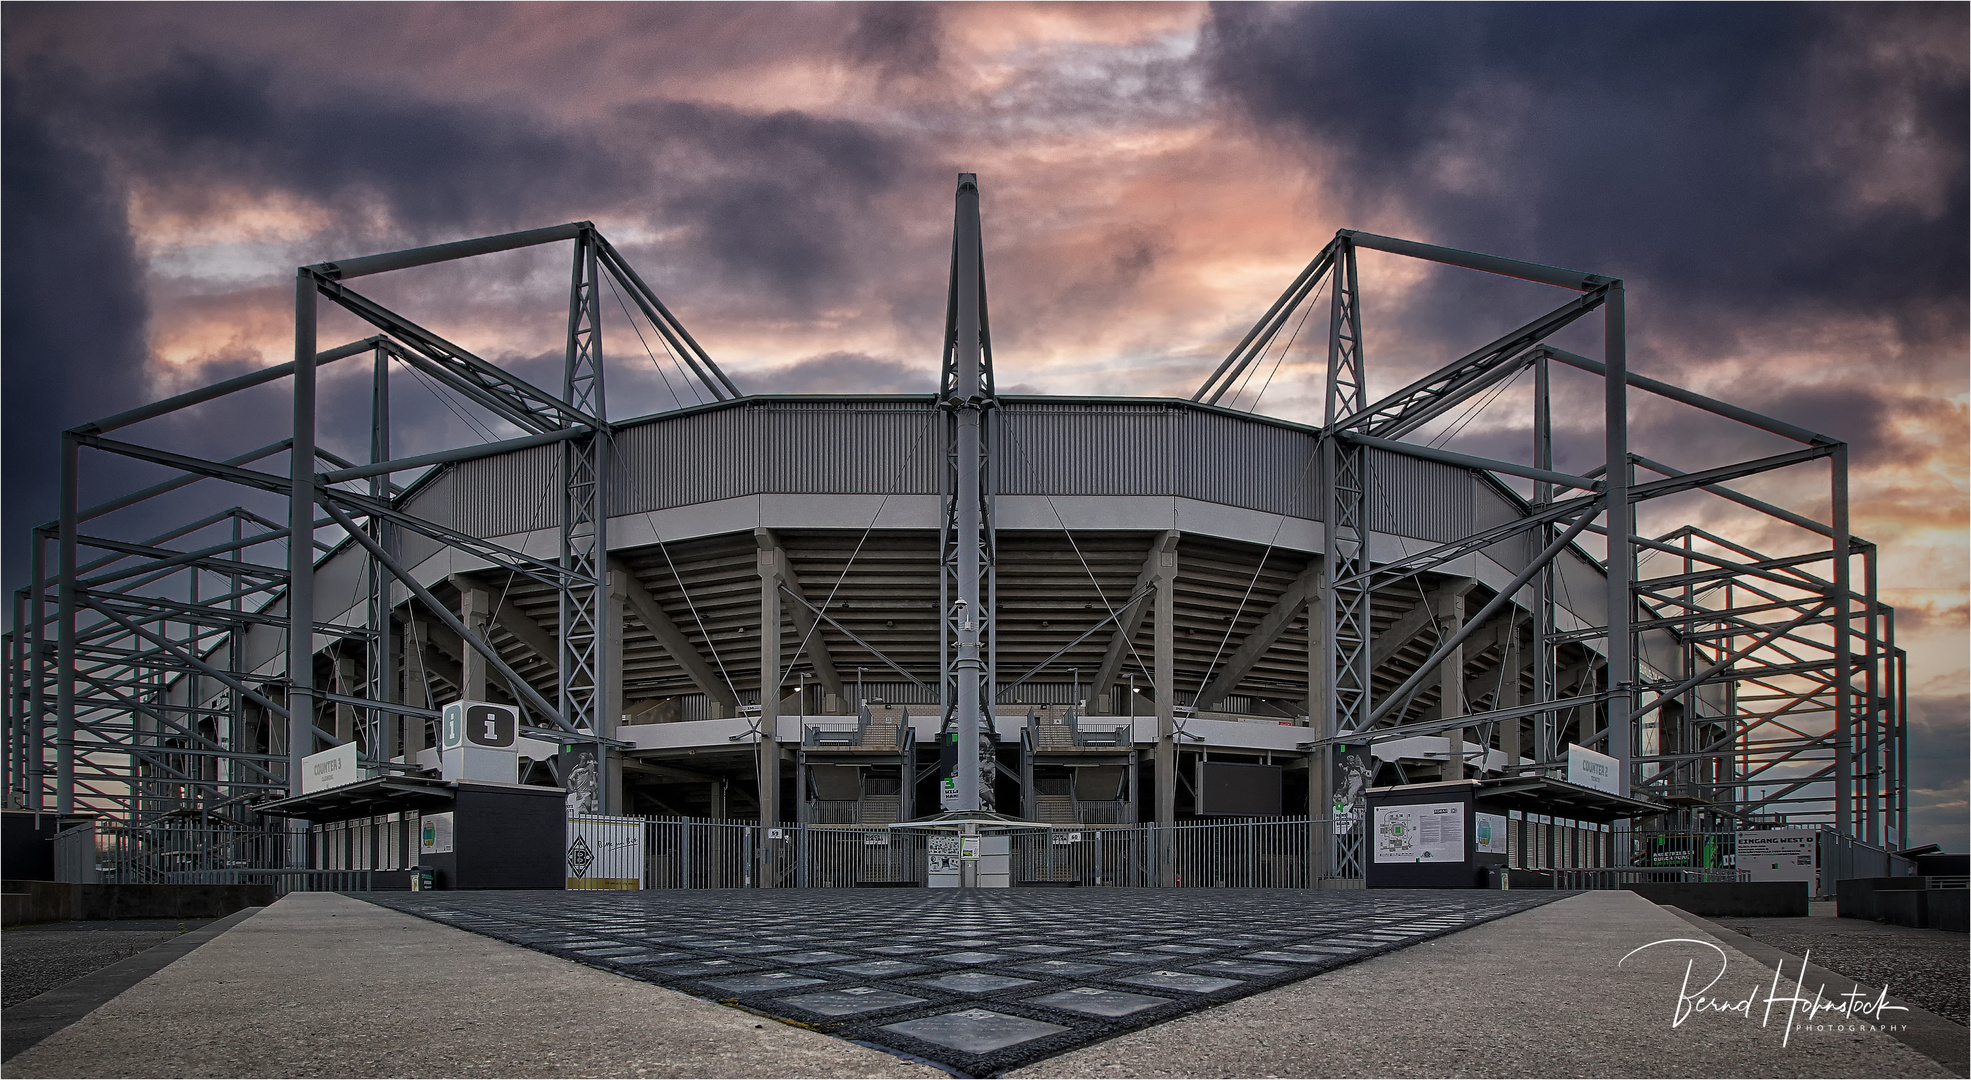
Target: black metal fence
point(697, 853)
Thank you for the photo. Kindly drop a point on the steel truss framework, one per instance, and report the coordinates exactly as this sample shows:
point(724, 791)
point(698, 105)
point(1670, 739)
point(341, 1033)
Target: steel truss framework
point(100, 641)
point(1734, 686)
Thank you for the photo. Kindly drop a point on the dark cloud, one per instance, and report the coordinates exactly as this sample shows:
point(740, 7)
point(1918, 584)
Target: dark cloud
point(1938, 748)
point(769, 202)
point(772, 205)
point(1714, 156)
point(842, 373)
point(72, 309)
point(433, 168)
point(779, 204)
point(897, 40)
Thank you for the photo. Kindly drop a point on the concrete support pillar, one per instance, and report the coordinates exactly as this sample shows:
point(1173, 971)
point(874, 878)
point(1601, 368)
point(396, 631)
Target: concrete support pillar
point(416, 690)
point(1514, 738)
point(391, 730)
point(347, 683)
point(476, 612)
point(613, 608)
point(1451, 680)
point(1164, 629)
point(767, 761)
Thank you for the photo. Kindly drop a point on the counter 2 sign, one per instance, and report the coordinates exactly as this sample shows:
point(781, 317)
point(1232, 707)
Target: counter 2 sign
point(1591, 770)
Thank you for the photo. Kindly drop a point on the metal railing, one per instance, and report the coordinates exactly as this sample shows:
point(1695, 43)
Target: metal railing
point(699, 853)
point(284, 879)
point(163, 852)
point(1621, 877)
point(1844, 857)
point(1836, 857)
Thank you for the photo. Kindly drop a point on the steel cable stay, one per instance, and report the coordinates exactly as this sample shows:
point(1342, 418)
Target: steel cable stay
point(896, 485)
point(691, 605)
point(1084, 635)
point(1476, 408)
point(533, 522)
point(1306, 310)
point(655, 366)
point(485, 434)
point(1211, 669)
point(1113, 612)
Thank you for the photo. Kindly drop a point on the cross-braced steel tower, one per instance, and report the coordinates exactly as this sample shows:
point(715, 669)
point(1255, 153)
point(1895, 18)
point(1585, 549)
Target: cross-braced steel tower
point(965, 393)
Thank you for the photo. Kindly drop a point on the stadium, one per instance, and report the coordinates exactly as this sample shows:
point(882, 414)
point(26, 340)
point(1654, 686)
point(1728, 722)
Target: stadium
point(787, 610)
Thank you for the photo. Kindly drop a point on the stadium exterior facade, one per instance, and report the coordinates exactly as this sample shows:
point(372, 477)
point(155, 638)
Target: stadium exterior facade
point(769, 607)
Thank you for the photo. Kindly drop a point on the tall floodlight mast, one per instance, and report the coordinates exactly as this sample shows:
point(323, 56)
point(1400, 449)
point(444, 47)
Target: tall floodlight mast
point(965, 394)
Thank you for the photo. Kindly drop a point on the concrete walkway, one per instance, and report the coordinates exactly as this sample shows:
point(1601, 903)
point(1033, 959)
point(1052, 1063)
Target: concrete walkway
point(1541, 994)
point(325, 985)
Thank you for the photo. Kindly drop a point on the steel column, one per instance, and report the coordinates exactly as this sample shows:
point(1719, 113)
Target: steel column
point(584, 519)
point(1621, 526)
point(1844, 690)
point(966, 394)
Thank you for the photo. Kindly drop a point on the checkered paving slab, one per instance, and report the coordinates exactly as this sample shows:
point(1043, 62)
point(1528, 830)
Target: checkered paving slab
point(978, 981)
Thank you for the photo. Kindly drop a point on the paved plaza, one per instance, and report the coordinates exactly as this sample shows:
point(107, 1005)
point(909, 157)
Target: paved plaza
point(975, 981)
point(328, 985)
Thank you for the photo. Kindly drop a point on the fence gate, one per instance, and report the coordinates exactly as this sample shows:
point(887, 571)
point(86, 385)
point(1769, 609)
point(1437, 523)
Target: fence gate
point(605, 852)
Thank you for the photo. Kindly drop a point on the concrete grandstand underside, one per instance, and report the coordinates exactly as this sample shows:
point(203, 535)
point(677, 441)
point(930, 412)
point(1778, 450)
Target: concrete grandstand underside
point(1126, 485)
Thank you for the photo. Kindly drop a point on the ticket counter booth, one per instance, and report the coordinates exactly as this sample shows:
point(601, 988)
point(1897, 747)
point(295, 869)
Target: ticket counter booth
point(460, 834)
point(471, 827)
point(1469, 834)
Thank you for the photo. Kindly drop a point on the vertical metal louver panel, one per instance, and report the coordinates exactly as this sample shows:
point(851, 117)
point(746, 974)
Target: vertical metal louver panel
point(680, 460)
point(718, 454)
point(510, 493)
point(1085, 449)
point(848, 447)
point(821, 447)
point(1424, 499)
point(646, 474)
point(1240, 462)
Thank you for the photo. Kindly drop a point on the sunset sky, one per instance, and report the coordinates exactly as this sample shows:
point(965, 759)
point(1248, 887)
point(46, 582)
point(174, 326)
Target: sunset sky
point(1782, 188)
